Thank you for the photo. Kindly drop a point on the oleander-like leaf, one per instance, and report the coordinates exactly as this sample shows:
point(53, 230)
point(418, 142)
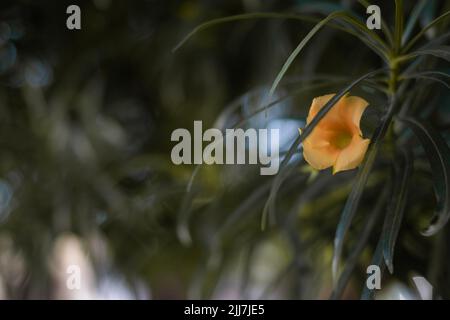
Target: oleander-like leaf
point(425, 29)
point(394, 216)
point(241, 17)
point(430, 75)
point(438, 154)
point(442, 52)
point(185, 210)
point(362, 237)
point(335, 15)
point(413, 17)
point(244, 209)
point(305, 133)
point(352, 203)
point(277, 181)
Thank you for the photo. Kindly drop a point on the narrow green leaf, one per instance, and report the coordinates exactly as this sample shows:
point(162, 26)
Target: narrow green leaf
point(438, 153)
point(277, 181)
point(308, 37)
point(354, 198)
point(240, 17)
point(249, 205)
point(442, 52)
point(443, 38)
point(429, 75)
point(394, 216)
point(413, 17)
point(305, 133)
point(274, 103)
point(424, 30)
point(185, 210)
point(327, 107)
point(363, 237)
point(429, 13)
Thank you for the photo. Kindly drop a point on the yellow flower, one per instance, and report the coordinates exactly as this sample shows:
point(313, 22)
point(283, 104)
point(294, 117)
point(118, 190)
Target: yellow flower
point(337, 138)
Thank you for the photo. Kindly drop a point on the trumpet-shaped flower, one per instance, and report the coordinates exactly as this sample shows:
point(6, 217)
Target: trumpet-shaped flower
point(336, 141)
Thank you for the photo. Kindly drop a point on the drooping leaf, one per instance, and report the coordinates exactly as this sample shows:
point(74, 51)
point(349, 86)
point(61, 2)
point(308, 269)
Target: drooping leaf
point(442, 52)
point(342, 15)
point(413, 17)
point(305, 133)
point(394, 216)
point(424, 30)
point(430, 75)
point(294, 93)
point(442, 39)
point(278, 180)
point(239, 17)
point(352, 203)
point(185, 210)
point(438, 154)
point(244, 209)
point(429, 13)
point(362, 237)
point(327, 107)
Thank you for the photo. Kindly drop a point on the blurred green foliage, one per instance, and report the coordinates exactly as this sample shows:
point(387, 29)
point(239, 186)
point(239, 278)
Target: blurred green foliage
point(86, 118)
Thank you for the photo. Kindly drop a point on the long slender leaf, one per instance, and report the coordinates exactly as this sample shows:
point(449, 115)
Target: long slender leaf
point(250, 16)
point(308, 37)
point(427, 73)
point(413, 17)
point(424, 30)
point(327, 107)
point(394, 216)
point(305, 18)
point(281, 99)
point(244, 208)
point(305, 133)
point(354, 198)
point(277, 181)
point(437, 41)
point(438, 153)
point(440, 52)
point(185, 210)
point(428, 76)
point(363, 237)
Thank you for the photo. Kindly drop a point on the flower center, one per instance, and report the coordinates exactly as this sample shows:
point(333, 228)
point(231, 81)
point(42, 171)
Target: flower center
point(342, 140)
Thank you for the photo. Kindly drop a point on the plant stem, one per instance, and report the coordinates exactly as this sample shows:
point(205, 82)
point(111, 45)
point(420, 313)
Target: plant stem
point(393, 75)
point(398, 33)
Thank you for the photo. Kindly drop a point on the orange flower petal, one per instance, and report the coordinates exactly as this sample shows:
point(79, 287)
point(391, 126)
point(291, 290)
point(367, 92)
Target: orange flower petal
point(318, 104)
point(336, 140)
point(352, 155)
point(352, 110)
point(319, 157)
